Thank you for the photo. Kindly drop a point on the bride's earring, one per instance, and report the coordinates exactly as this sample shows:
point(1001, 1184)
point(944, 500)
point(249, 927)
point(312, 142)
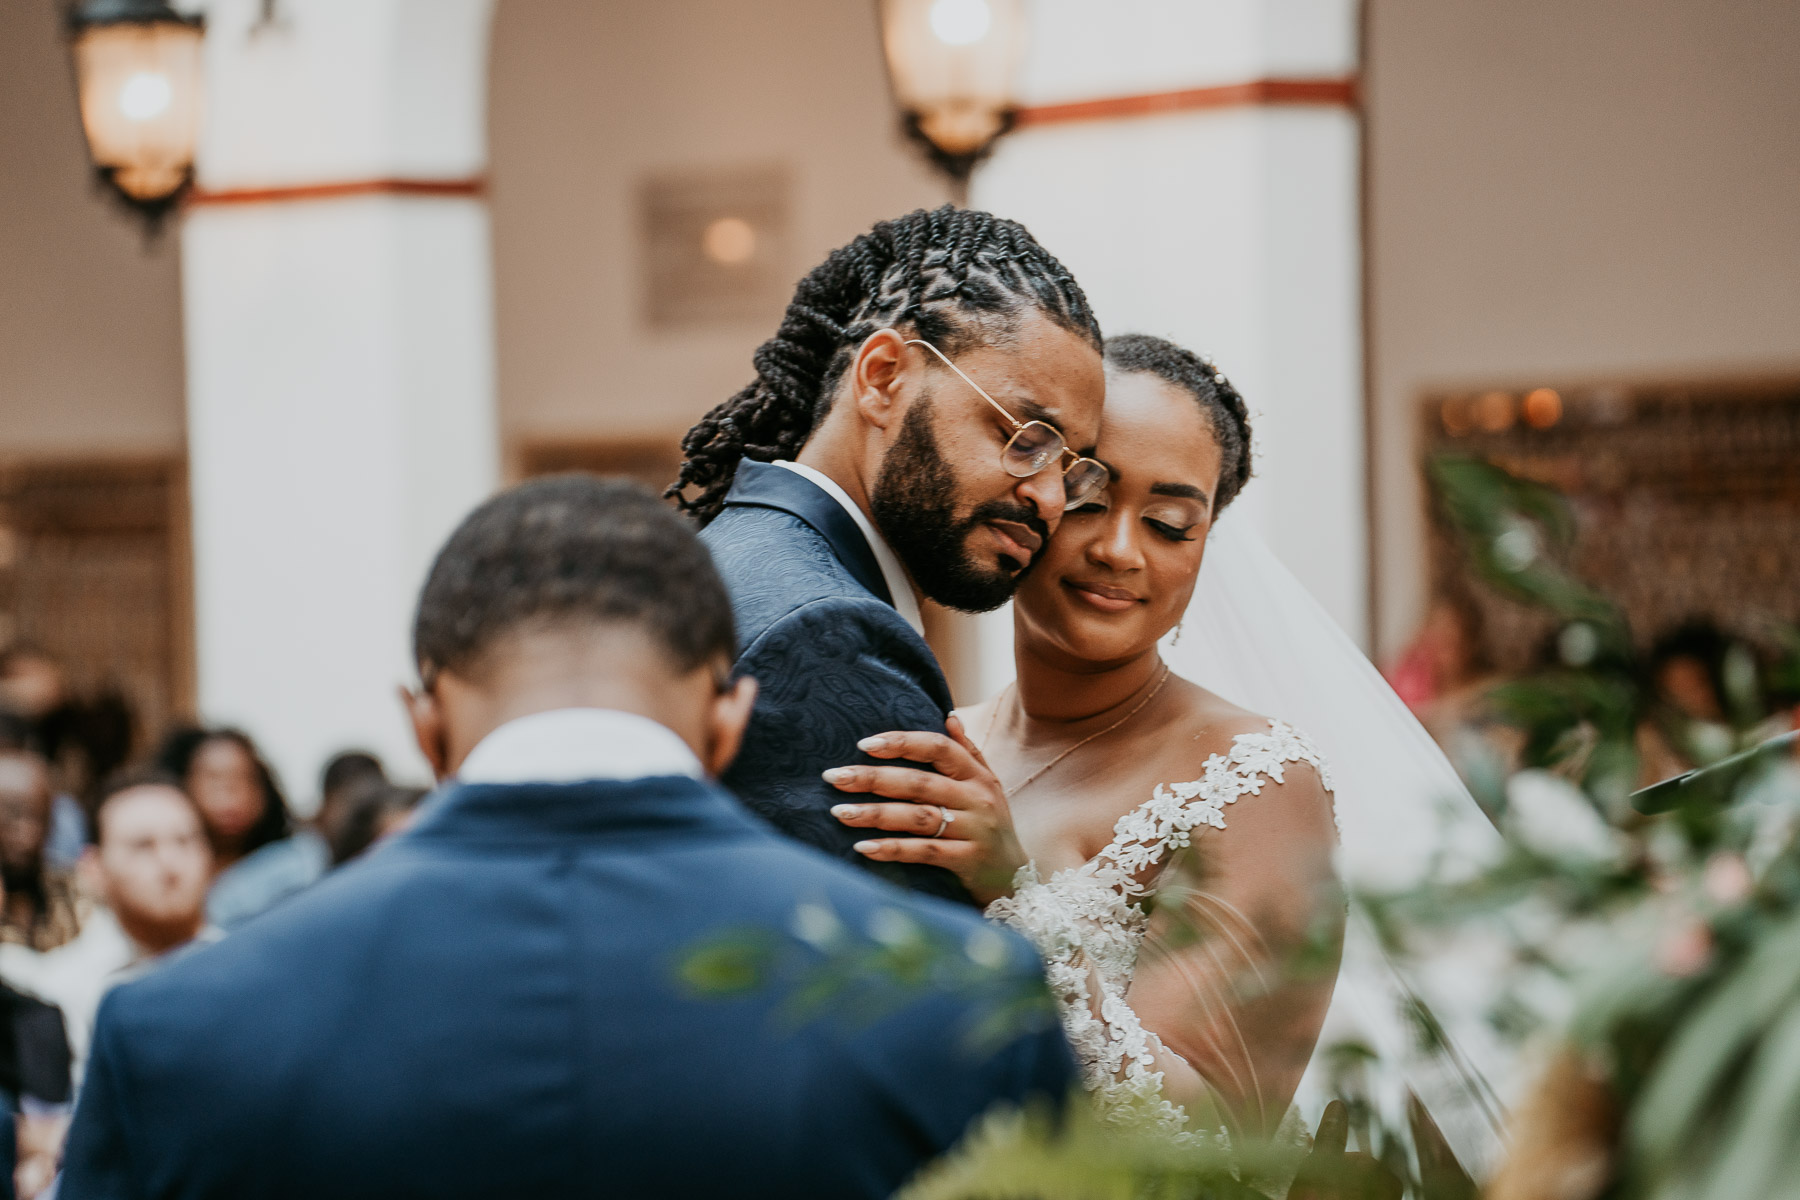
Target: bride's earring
point(1176, 640)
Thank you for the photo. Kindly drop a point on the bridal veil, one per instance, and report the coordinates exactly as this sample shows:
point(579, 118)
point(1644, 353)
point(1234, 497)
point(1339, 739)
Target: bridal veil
point(1254, 635)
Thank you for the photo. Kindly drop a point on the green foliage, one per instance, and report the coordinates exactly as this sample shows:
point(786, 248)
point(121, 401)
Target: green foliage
point(1518, 534)
point(1074, 1156)
point(1784, 672)
point(1665, 950)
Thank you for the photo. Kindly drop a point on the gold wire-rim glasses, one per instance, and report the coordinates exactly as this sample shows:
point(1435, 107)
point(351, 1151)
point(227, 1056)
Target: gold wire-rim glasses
point(1034, 445)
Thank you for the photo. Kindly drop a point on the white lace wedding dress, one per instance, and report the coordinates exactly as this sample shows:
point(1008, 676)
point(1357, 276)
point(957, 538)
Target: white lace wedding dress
point(1089, 921)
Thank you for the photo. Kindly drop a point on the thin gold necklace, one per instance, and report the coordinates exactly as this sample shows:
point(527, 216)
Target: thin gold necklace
point(1037, 774)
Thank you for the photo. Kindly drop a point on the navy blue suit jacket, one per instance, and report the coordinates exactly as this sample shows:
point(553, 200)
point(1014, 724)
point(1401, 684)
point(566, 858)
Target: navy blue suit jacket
point(490, 1006)
point(833, 660)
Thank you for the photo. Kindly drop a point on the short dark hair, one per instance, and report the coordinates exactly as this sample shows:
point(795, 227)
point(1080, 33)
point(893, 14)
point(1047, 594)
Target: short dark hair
point(349, 766)
point(129, 780)
point(369, 807)
point(572, 548)
point(1698, 638)
point(1223, 407)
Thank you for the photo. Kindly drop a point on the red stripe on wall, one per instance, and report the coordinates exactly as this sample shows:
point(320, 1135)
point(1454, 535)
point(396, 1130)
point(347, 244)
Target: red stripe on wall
point(332, 191)
point(1333, 93)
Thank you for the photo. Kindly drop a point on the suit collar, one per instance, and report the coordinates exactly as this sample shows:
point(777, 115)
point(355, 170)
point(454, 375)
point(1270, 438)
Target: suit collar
point(760, 485)
point(555, 812)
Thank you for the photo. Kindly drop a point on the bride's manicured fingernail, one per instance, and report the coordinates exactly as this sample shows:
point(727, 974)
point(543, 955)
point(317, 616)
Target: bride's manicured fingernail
point(865, 847)
point(846, 810)
point(837, 774)
point(877, 742)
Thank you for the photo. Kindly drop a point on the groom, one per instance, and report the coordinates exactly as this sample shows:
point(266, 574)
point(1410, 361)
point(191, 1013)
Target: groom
point(865, 469)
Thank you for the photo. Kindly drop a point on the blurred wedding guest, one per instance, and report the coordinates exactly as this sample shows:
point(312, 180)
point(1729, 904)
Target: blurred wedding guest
point(68, 833)
point(85, 738)
point(42, 909)
point(32, 684)
point(1687, 670)
point(34, 1092)
point(375, 812)
point(502, 1001)
point(348, 775)
point(257, 861)
point(1690, 721)
point(149, 866)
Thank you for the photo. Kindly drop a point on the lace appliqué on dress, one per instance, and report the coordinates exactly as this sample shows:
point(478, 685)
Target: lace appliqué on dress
point(1088, 922)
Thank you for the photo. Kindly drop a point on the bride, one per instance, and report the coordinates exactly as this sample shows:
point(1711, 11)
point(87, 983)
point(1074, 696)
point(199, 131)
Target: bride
point(1169, 853)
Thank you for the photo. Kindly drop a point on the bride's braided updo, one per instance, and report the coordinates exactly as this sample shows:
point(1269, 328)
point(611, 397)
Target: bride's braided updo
point(1225, 410)
point(951, 276)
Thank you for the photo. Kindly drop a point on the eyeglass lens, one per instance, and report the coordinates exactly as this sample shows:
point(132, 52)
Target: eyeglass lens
point(1034, 447)
point(1037, 445)
point(1083, 481)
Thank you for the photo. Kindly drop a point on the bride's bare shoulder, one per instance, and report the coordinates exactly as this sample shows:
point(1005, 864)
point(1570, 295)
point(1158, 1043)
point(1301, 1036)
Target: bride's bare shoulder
point(1212, 724)
point(1212, 719)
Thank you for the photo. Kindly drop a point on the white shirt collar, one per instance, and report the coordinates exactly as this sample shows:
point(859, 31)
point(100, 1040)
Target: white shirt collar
point(572, 745)
point(899, 584)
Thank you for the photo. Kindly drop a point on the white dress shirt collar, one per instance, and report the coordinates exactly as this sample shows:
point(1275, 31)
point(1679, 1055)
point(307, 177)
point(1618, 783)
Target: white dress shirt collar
point(899, 584)
point(573, 745)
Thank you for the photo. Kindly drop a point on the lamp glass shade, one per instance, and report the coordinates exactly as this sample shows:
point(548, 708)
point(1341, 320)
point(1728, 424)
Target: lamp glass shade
point(954, 65)
point(140, 102)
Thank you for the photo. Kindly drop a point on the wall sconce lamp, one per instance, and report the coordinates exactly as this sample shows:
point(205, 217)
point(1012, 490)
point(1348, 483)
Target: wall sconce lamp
point(138, 75)
point(954, 65)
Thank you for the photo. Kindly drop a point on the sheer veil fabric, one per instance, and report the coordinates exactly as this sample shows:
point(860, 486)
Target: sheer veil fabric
point(1254, 635)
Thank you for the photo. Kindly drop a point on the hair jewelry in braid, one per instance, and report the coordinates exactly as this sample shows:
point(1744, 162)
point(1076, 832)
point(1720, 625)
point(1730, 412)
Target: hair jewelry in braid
point(948, 275)
point(1224, 408)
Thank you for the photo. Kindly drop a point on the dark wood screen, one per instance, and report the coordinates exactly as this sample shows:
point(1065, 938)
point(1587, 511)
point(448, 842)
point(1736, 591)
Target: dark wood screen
point(94, 570)
point(1686, 496)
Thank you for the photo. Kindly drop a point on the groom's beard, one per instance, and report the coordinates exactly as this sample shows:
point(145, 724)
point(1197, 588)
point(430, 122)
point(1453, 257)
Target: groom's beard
point(914, 506)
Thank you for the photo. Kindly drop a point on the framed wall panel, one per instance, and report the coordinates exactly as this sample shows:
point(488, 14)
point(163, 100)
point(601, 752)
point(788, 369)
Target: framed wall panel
point(1686, 497)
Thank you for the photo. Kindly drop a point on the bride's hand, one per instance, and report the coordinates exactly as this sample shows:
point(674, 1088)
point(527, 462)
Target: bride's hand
point(978, 843)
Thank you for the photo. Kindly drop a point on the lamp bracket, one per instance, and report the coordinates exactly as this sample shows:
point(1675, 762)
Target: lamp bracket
point(958, 166)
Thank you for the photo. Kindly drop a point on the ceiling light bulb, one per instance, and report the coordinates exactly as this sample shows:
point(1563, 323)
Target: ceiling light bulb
point(961, 22)
point(145, 95)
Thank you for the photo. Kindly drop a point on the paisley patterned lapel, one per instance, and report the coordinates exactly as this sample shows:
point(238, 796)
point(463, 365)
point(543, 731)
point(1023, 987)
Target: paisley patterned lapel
point(760, 485)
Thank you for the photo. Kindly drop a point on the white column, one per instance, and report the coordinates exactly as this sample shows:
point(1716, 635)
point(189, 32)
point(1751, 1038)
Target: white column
point(339, 358)
point(1233, 231)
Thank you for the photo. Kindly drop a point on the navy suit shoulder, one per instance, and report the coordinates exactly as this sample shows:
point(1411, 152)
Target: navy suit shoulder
point(780, 563)
point(493, 1004)
point(834, 663)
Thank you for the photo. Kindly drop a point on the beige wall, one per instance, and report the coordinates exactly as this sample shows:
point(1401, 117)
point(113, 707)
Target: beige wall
point(1569, 191)
point(90, 320)
point(588, 98)
point(1556, 191)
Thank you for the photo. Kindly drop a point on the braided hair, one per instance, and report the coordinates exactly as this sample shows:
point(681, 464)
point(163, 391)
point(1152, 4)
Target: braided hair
point(1224, 408)
point(945, 274)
